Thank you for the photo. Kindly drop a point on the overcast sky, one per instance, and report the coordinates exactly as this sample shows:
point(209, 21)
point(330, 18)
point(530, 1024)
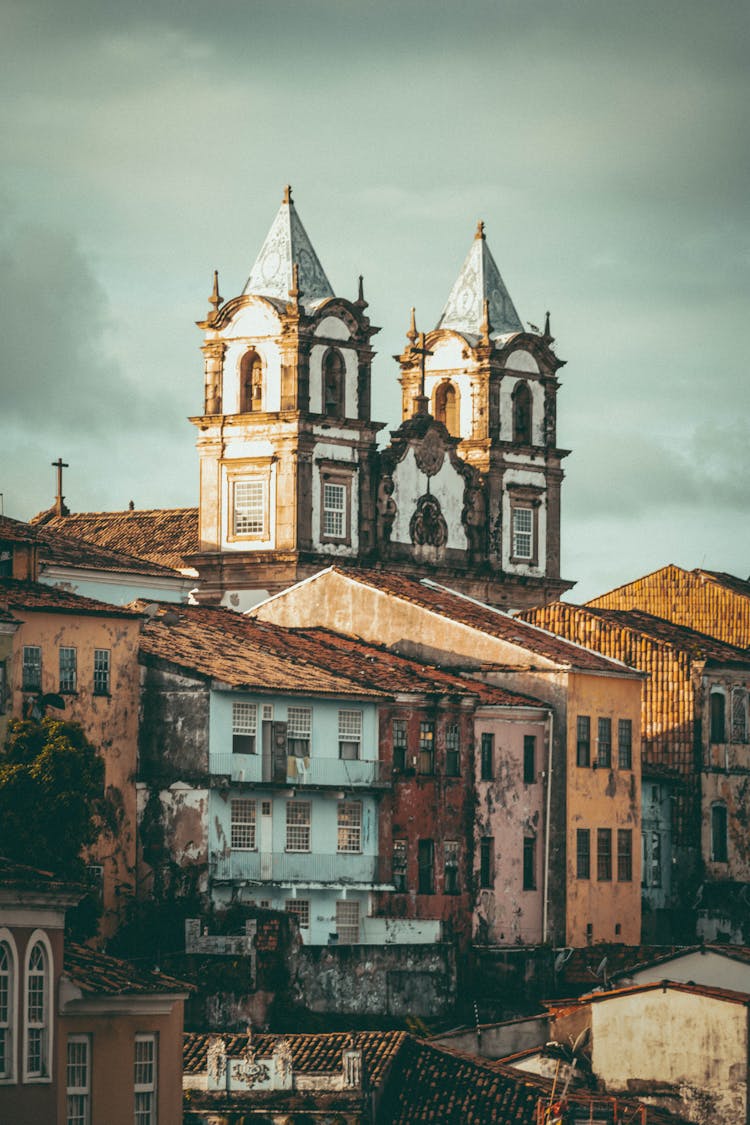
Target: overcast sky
point(605, 145)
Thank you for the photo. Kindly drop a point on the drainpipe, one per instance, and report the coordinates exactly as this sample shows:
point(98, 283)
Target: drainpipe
point(545, 908)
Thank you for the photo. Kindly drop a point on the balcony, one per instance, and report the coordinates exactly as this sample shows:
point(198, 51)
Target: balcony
point(297, 867)
point(301, 773)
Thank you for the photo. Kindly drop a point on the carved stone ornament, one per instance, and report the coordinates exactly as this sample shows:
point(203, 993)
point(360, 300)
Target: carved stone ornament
point(248, 1070)
point(428, 527)
point(387, 508)
point(430, 453)
point(217, 1059)
point(283, 1056)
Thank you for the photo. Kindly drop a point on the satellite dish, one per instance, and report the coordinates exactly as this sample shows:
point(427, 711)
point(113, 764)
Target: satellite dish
point(151, 609)
point(563, 956)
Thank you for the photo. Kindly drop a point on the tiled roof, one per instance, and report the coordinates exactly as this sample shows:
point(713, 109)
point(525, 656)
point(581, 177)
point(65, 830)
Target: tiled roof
point(579, 971)
point(733, 952)
point(311, 1054)
point(19, 875)
point(161, 535)
point(711, 993)
point(484, 618)
point(50, 599)
point(65, 550)
point(241, 652)
point(98, 974)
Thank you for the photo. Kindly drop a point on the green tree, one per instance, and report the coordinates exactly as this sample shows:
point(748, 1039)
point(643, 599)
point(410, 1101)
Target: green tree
point(51, 796)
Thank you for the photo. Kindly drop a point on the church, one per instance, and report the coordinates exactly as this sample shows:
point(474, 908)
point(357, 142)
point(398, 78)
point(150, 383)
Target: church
point(292, 476)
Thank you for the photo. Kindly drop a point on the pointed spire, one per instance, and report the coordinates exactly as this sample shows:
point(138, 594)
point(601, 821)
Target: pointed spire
point(411, 335)
point(361, 302)
point(547, 334)
point(478, 281)
point(215, 299)
point(287, 244)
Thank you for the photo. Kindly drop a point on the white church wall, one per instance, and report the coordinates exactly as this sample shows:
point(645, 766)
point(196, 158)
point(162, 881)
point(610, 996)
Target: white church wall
point(345, 456)
point(507, 387)
point(316, 378)
point(271, 360)
point(447, 486)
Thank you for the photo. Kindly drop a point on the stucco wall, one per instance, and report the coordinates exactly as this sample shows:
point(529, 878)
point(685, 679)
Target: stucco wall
point(692, 1044)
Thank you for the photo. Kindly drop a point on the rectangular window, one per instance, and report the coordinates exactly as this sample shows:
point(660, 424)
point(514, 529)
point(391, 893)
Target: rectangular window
point(717, 709)
point(625, 744)
point(244, 727)
point(398, 867)
point(350, 735)
point(347, 921)
point(298, 826)
point(68, 669)
point(144, 1079)
point(249, 508)
point(487, 861)
point(739, 714)
point(334, 511)
point(426, 747)
point(583, 740)
point(298, 731)
point(529, 863)
point(604, 854)
point(523, 533)
point(78, 1081)
point(349, 826)
point(655, 859)
point(450, 870)
point(101, 671)
point(583, 853)
point(624, 855)
point(300, 907)
point(426, 867)
point(399, 744)
point(243, 825)
point(604, 744)
point(529, 759)
point(452, 751)
point(488, 756)
point(719, 842)
point(31, 678)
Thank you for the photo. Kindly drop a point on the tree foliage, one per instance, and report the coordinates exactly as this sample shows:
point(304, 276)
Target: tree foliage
point(51, 795)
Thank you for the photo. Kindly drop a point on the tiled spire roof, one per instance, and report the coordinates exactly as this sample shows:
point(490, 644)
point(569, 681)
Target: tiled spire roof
point(287, 244)
point(480, 281)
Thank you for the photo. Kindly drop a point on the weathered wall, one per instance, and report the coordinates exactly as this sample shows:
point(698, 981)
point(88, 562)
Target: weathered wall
point(396, 981)
point(173, 738)
point(704, 966)
point(498, 1040)
point(692, 1046)
point(109, 721)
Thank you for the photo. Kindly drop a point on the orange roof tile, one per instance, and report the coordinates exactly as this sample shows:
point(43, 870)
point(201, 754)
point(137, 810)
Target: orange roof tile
point(98, 974)
point(36, 596)
point(727, 994)
point(161, 535)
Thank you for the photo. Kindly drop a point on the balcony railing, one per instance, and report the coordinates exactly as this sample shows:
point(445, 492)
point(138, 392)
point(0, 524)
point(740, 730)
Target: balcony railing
point(301, 772)
point(297, 867)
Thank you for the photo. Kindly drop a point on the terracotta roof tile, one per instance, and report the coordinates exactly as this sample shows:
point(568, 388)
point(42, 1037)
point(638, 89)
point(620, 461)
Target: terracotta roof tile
point(487, 619)
point(37, 596)
point(733, 952)
point(727, 994)
point(67, 550)
point(311, 1054)
point(21, 875)
point(99, 974)
point(161, 535)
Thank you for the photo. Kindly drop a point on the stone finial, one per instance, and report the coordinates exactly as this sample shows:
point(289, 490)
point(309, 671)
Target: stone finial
point(411, 335)
point(486, 326)
point(480, 231)
point(215, 299)
point(547, 334)
point(295, 292)
point(288, 194)
point(361, 302)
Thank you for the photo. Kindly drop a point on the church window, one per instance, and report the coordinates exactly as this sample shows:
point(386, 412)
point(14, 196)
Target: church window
point(334, 510)
point(37, 1040)
point(251, 383)
point(522, 414)
point(523, 533)
point(334, 379)
point(335, 504)
point(446, 407)
point(249, 516)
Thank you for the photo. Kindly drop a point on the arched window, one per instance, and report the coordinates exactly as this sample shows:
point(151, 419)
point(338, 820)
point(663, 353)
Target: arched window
point(251, 383)
point(446, 407)
point(334, 378)
point(522, 413)
point(718, 716)
point(719, 842)
point(37, 1045)
point(7, 1008)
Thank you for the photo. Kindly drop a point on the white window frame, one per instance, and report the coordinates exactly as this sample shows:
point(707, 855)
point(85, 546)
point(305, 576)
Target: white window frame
point(47, 1024)
point(9, 1024)
point(300, 908)
point(349, 828)
point(299, 731)
point(255, 525)
point(81, 1114)
point(102, 671)
point(520, 534)
point(348, 921)
point(69, 684)
point(299, 829)
point(350, 735)
point(333, 511)
point(35, 663)
point(245, 724)
point(146, 1088)
point(243, 825)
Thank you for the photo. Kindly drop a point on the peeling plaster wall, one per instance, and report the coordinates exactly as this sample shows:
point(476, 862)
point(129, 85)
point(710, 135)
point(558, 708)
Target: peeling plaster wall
point(398, 981)
point(725, 779)
point(173, 840)
point(705, 966)
point(447, 486)
point(110, 722)
point(174, 725)
point(696, 1045)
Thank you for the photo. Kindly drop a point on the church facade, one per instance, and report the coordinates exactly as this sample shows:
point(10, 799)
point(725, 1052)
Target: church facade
point(467, 491)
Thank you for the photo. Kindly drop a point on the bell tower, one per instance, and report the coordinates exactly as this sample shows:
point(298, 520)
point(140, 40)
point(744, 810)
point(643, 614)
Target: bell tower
point(494, 388)
point(286, 443)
